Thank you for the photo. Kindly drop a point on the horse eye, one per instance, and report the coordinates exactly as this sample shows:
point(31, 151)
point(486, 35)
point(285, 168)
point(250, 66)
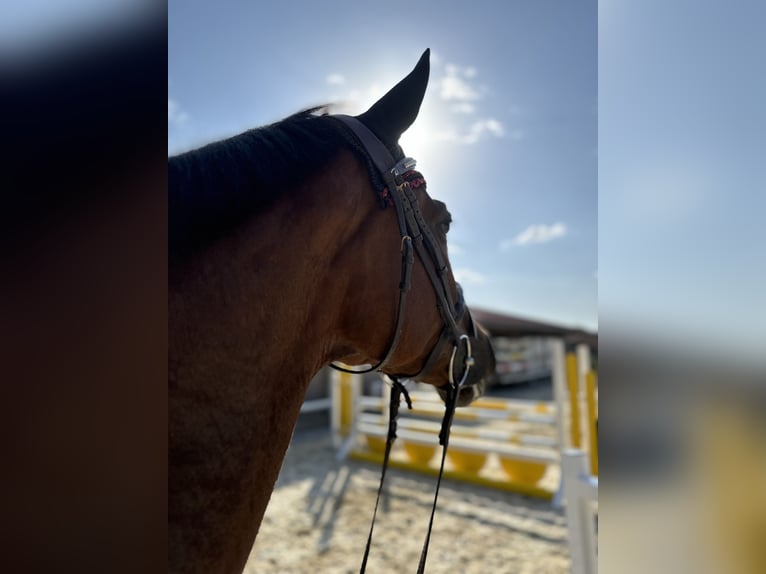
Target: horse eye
point(444, 226)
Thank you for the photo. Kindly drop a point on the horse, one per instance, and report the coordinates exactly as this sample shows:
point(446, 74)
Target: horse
point(287, 253)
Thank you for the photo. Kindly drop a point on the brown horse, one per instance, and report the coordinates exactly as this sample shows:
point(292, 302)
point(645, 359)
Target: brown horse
point(283, 258)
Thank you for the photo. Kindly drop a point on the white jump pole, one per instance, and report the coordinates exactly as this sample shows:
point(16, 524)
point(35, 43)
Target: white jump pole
point(560, 393)
point(583, 367)
point(558, 379)
point(580, 490)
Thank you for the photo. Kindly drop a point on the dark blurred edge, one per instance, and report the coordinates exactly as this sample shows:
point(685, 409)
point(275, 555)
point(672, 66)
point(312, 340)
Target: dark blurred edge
point(649, 394)
point(83, 303)
point(682, 461)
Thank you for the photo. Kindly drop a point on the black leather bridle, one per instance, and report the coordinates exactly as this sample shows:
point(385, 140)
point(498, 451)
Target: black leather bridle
point(416, 237)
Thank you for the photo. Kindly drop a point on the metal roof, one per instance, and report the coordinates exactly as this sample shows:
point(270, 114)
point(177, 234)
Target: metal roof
point(502, 325)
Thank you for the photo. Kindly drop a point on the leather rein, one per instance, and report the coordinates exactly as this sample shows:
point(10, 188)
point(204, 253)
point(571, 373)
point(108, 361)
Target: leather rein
point(416, 237)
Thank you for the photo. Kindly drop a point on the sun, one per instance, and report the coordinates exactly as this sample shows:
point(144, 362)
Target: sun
point(419, 142)
point(414, 141)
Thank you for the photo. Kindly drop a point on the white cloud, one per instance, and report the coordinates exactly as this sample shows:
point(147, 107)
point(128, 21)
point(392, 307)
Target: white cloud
point(477, 131)
point(453, 86)
point(463, 97)
point(175, 114)
point(460, 96)
point(540, 233)
point(490, 126)
point(469, 276)
point(463, 108)
point(454, 249)
point(335, 79)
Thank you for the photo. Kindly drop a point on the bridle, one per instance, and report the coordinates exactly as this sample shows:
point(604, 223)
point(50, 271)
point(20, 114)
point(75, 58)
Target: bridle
point(400, 179)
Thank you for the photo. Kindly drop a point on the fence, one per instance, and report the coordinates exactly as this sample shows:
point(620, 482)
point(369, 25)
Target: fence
point(509, 444)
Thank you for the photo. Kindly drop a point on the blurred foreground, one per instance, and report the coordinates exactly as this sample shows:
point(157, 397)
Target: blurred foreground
point(682, 462)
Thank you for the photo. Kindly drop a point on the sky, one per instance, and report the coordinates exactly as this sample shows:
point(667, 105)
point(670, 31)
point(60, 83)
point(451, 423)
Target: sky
point(522, 94)
point(507, 135)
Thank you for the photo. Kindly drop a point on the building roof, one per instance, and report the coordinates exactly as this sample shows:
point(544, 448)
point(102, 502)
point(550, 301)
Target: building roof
point(502, 325)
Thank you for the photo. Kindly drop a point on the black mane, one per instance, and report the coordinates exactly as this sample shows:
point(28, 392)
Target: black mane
point(214, 189)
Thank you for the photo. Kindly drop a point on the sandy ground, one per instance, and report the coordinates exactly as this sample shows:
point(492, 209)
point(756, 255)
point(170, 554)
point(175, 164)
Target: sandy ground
point(319, 517)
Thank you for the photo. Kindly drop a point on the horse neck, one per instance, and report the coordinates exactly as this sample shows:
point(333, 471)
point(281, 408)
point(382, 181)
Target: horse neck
point(250, 326)
point(271, 285)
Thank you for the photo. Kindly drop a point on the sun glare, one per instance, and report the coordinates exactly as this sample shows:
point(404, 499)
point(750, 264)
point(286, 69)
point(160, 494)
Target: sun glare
point(418, 142)
point(414, 141)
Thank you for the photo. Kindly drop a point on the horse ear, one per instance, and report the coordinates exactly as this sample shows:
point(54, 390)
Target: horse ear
point(392, 114)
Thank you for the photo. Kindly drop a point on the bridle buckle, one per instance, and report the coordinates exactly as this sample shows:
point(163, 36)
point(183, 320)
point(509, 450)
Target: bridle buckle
point(403, 166)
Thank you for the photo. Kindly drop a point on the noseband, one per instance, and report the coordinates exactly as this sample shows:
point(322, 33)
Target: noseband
point(400, 180)
point(416, 236)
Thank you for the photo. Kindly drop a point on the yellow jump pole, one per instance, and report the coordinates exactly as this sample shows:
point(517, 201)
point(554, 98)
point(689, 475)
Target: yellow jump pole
point(574, 402)
point(342, 392)
point(590, 381)
point(346, 403)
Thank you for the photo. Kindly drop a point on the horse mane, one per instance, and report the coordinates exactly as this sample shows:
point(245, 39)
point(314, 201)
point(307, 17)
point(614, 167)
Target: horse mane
point(214, 189)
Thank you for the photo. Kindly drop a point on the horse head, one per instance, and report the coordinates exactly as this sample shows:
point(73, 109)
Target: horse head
point(404, 312)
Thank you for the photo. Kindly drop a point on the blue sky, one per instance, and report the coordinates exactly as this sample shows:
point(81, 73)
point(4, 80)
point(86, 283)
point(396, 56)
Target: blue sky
point(507, 134)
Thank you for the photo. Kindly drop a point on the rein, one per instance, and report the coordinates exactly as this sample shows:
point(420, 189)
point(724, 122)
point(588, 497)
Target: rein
point(416, 236)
